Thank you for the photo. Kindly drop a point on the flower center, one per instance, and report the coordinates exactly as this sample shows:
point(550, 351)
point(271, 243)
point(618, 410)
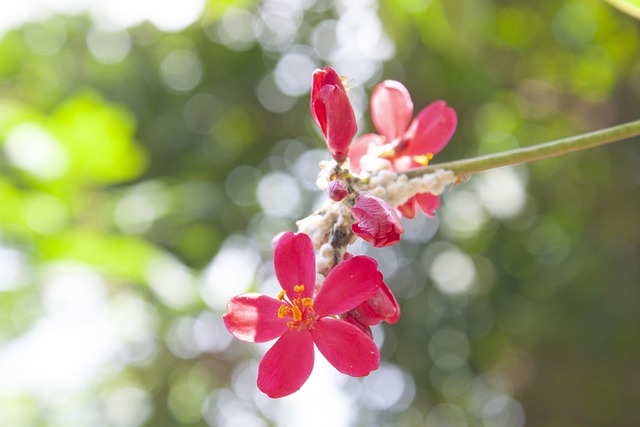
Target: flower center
point(300, 310)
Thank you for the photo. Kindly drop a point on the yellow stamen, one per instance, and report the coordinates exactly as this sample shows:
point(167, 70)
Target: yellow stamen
point(298, 288)
point(307, 302)
point(423, 160)
point(283, 311)
point(296, 313)
point(281, 295)
point(345, 83)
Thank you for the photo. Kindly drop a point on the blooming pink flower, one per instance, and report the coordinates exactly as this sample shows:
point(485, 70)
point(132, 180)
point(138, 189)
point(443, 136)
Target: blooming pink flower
point(406, 145)
point(376, 221)
point(332, 111)
point(299, 320)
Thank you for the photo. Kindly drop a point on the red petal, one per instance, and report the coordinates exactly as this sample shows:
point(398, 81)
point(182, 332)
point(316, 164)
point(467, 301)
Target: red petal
point(348, 284)
point(408, 209)
point(349, 318)
point(295, 263)
point(428, 203)
point(321, 77)
point(332, 111)
point(254, 318)
point(346, 347)
point(391, 108)
point(431, 130)
point(360, 147)
point(287, 365)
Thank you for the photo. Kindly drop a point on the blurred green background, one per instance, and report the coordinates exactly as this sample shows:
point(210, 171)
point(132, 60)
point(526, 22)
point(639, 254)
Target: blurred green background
point(149, 151)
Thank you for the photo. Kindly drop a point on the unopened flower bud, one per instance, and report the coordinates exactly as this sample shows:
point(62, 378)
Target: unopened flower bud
point(381, 306)
point(337, 190)
point(332, 111)
point(349, 318)
point(376, 221)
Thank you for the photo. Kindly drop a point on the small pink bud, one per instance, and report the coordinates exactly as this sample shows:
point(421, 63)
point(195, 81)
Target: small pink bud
point(337, 190)
point(332, 111)
point(376, 221)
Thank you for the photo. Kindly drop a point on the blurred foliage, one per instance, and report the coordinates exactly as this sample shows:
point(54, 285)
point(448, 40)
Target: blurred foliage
point(141, 164)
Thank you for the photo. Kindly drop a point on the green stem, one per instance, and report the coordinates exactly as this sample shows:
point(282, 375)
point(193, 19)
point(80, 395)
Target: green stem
point(536, 152)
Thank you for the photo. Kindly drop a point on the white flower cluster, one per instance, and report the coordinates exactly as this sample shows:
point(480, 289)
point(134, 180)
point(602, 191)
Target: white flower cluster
point(396, 188)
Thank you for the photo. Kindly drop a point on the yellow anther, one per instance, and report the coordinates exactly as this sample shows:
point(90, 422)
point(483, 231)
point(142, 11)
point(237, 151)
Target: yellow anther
point(307, 302)
point(283, 311)
point(281, 295)
point(423, 160)
point(345, 83)
point(298, 288)
point(296, 313)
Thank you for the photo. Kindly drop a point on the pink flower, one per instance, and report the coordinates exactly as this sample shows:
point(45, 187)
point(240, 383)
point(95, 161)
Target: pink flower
point(299, 320)
point(332, 111)
point(376, 221)
point(406, 145)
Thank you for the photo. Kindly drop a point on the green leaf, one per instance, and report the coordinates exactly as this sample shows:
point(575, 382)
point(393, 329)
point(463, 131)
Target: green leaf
point(99, 139)
point(119, 256)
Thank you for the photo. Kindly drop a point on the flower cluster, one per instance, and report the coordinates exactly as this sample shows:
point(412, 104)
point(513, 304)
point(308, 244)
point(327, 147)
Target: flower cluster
point(330, 298)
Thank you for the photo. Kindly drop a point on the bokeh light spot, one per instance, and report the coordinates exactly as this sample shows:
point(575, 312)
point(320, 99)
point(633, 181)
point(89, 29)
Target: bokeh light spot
point(292, 73)
point(181, 70)
point(452, 271)
point(33, 149)
point(279, 195)
point(108, 47)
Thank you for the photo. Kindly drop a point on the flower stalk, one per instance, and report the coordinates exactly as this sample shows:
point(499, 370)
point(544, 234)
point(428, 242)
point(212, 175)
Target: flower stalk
point(531, 154)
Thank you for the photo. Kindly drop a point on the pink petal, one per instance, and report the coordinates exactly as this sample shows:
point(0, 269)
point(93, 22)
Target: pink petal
point(428, 203)
point(349, 318)
point(295, 263)
point(360, 147)
point(431, 130)
point(287, 365)
point(319, 116)
point(408, 208)
point(346, 347)
point(376, 221)
point(347, 285)
point(254, 318)
point(320, 79)
point(391, 108)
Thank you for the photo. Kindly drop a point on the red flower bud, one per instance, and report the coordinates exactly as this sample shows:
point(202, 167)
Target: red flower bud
point(337, 190)
point(349, 318)
point(381, 306)
point(332, 112)
point(376, 221)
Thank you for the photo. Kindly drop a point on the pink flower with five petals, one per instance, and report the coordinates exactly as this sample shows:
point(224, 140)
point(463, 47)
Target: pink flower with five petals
point(406, 145)
point(299, 320)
